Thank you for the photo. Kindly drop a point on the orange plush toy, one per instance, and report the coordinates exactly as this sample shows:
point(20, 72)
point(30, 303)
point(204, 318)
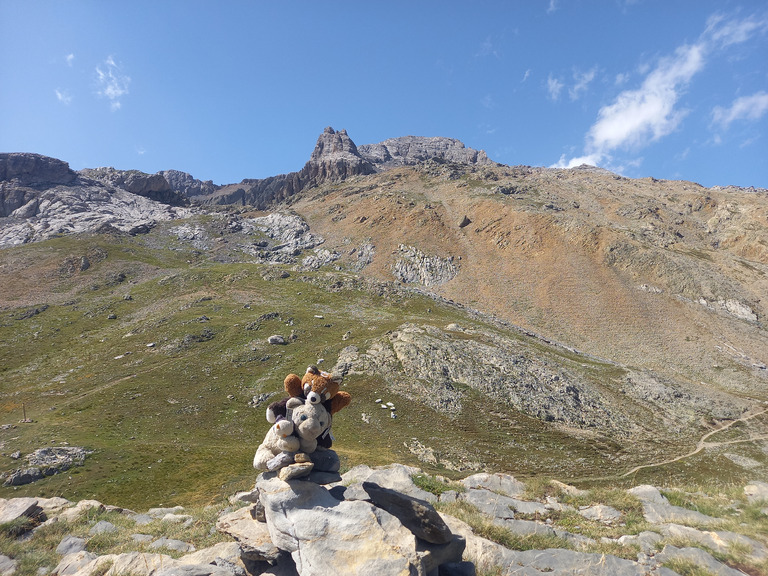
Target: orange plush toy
point(317, 387)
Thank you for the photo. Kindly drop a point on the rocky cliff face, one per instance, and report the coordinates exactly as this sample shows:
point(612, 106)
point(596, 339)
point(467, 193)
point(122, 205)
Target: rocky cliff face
point(337, 158)
point(187, 186)
point(334, 158)
point(34, 170)
point(41, 197)
point(410, 150)
point(152, 186)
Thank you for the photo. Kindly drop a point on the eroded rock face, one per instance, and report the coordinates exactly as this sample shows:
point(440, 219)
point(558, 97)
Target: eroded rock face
point(409, 150)
point(47, 462)
point(415, 267)
point(491, 365)
point(187, 186)
point(34, 169)
point(152, 186)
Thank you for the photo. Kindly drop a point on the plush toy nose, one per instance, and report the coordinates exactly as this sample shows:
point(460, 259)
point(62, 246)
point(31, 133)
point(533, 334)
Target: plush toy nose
point(314, 398)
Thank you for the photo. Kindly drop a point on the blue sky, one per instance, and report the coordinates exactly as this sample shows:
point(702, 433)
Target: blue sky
point(230, 90)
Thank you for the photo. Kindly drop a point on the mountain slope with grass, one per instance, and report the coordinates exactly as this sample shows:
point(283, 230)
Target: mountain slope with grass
point(568, 323)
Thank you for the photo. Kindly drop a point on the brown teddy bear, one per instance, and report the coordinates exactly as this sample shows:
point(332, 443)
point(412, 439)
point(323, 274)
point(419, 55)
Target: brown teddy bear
point(317, 387)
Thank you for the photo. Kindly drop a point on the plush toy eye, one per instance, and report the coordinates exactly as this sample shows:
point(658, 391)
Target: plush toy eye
point(303, 417)
point(322, 423)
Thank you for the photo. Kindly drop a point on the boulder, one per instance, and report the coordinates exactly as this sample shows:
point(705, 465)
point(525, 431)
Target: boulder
point(601, 513)
point(18, 508)
point(82, 507)
point(252, 536)
point(756, 491)
point(698, 557)
point(70, 545)
point(7, 565)
point(499, 483)
point(418, 516)
point(658, 510)
point(395, 476)
point(325, 535)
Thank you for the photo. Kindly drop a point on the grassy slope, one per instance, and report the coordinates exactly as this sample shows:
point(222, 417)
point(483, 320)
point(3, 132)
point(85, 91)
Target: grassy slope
point(170, 423)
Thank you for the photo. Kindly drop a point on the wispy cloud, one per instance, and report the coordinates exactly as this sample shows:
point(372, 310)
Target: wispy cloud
point(70, 59)
point(488, 48)
point(63, 96)
point(526, 75)
point(581, 83)
point(112, 82)
point(552, 6)
point(751, 107)
point(723, 32)
point(641, 116)
point(554, 87)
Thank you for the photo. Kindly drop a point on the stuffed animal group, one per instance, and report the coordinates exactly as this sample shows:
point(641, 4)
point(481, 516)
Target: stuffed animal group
point(301, 422)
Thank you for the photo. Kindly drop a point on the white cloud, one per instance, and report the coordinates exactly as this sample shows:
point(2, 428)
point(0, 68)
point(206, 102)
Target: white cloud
point(581, 82)
point(552, 6)
point(63, 96)
point(751, 107)
point(724, 32)
point(112, 82)
point(554, 87)
point(70, 58)
point(638, 117)
point(526, 75)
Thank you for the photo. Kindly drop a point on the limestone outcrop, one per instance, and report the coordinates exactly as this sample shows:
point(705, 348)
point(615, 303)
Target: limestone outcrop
point(378, 521)
point(409, 150)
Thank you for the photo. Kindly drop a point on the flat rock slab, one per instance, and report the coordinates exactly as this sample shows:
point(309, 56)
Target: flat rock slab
point(658, 510)
point(82, 507)
point(698, 557)
point(16, 508)
point(253, 536)
point(70, 545)
point(102, 527)
point(602, 513)
point(499, 483)
point(720, 541)
point(756, 491)
point(490, 503)
point(7, 566)
point(395, 477)
point(172, 544)
point(418, 516)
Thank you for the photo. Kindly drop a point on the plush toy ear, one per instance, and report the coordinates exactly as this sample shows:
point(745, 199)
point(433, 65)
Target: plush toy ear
point(339, 401)
point(312, 369)
point(292, 384)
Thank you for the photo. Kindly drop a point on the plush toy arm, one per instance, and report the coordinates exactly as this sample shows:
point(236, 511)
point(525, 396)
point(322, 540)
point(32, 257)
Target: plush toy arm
point(293, 386)
point(339, 401)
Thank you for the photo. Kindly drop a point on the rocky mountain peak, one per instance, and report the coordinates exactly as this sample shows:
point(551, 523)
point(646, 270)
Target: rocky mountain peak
point(409, 150)
point(334, 158)
point(34, 169)
point(332, 145)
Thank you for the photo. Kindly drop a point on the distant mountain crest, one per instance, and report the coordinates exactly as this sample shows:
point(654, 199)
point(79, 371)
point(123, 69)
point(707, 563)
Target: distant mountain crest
point(409, 150)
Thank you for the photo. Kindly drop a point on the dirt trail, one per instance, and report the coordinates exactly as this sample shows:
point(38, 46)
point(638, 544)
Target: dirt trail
point(702, 443)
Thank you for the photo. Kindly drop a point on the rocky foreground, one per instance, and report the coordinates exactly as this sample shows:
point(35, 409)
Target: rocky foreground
point(396, 520)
